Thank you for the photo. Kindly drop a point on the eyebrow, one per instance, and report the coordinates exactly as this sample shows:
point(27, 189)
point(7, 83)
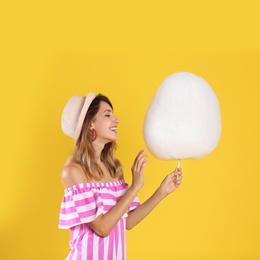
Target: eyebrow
point(107, 110)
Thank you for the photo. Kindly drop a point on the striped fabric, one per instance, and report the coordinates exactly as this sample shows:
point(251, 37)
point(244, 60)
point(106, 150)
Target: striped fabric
point(81, 204)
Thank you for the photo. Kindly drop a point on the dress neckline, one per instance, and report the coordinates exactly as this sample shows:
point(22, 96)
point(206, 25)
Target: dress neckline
point(95, 185)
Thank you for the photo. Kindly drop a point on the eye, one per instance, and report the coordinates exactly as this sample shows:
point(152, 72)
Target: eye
point(107, 115)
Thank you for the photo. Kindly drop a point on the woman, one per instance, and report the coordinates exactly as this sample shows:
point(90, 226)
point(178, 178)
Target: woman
point(98, 206)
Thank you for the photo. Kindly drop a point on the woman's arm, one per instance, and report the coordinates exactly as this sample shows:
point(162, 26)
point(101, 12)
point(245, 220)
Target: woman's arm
point(104, 223)
point(169, 184)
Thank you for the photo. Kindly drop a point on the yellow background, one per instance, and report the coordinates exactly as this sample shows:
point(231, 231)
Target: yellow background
point(52, 50)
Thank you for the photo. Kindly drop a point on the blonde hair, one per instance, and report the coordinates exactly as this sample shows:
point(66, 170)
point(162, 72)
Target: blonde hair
point(84, 153)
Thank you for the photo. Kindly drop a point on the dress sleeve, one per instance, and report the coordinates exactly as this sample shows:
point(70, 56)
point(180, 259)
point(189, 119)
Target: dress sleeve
point(80, 205)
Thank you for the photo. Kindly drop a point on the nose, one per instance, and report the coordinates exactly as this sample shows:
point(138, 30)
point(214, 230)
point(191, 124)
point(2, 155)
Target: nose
point(116, 120)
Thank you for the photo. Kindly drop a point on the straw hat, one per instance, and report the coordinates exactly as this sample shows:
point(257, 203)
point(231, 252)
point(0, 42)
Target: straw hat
point(74, 113)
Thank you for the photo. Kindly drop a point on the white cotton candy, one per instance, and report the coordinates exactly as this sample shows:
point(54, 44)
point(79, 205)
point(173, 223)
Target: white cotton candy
point(183, 119)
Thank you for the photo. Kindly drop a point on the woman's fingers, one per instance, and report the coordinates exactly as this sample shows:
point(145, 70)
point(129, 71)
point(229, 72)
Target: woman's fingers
point(178, 176)
point(138, 156)
point(140, 161)
point(138, 169)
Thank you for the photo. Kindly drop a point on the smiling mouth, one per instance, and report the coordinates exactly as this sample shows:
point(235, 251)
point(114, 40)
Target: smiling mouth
point(113, 129)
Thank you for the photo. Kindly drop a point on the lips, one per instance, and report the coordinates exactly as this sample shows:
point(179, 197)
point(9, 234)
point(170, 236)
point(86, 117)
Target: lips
point(114, 128)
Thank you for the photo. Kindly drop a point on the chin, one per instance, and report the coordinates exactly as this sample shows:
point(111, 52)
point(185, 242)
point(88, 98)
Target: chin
point(114, 139)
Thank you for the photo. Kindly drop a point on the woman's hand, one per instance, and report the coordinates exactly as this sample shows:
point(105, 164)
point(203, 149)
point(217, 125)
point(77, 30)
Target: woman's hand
point(171, 182)
point(138, 170)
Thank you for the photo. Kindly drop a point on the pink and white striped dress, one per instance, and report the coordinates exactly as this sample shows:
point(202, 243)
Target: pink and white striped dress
point(81, 204)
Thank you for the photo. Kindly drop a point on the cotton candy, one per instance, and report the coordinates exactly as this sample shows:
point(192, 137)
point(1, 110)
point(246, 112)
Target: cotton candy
point(183, 118)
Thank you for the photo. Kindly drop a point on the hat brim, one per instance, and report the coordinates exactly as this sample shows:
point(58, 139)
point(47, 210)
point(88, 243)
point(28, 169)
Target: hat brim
point(89, 98)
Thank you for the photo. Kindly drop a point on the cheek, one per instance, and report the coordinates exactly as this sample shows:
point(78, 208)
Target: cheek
point(102, 128)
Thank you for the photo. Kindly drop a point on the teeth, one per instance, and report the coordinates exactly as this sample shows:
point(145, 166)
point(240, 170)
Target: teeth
point(113, 128)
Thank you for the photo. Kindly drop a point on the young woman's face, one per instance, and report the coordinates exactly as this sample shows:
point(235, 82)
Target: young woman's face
point(105, 123)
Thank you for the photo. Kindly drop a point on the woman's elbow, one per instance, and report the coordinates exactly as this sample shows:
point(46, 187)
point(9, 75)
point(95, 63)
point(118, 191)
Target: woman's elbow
point(102, 231)
point(103, 234)
point(128, 228)
point(129, 225)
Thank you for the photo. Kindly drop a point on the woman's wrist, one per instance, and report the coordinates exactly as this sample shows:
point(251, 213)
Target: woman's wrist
point(161, 193)
point(134, 189)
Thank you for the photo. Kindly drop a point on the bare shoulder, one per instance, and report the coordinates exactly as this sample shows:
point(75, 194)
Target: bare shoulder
point(72, 174)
